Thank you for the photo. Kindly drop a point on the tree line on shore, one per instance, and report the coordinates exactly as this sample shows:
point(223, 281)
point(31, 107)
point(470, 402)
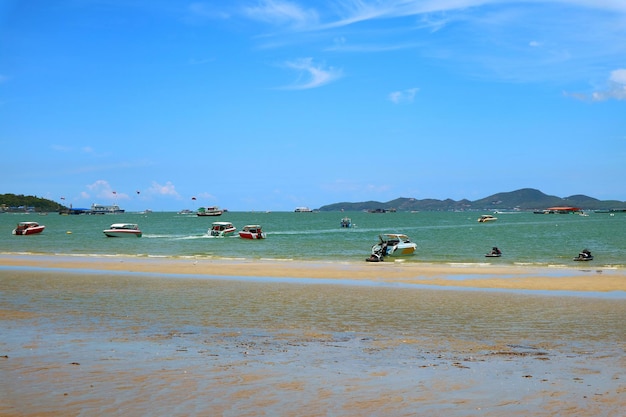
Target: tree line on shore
point(25, 203)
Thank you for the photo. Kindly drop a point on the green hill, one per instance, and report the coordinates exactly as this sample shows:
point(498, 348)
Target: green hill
point(524, 199)
point(24, 203)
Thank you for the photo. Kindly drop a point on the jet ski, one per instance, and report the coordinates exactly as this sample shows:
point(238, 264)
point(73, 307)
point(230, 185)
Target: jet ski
point(495, 253)
point(584, 255)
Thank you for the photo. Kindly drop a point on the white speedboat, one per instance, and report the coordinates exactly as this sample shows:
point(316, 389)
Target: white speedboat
point(123, 230)
point(28, 228)
point(392, 244)
point(487, 218)
point(221, 229)
point(252, 231)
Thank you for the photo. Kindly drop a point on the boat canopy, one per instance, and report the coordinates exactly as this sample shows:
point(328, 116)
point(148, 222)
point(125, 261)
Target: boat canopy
point(129, 226)
point(565, 209)
point(393, 236)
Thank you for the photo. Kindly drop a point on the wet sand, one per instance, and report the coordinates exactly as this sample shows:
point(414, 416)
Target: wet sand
point(581, 278)
point(111, 336)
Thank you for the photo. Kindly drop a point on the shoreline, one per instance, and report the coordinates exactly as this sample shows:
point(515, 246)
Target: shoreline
point(470, 276)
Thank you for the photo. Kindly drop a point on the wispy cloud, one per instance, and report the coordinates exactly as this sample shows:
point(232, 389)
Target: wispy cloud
point(103, 190)
point(615, 89)
point(403, 96)
point(312, 75)
point(433, 13)
point(167, 189)
point(354, 11)
point(205, 11)
point(85, 150)
point(282, 13)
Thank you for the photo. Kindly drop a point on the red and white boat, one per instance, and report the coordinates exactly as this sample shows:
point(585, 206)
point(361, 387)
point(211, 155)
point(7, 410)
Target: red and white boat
point(28, 228)
point(123, 230)
point(221, 229)
point(252, 231)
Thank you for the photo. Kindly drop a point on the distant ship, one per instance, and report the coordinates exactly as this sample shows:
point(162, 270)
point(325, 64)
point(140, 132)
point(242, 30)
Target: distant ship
point(100, 209)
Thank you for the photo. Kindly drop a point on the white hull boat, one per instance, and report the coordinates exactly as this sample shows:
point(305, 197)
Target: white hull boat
point(252, 231)
point(221, 229)
point(392, 244)
point(123, 230)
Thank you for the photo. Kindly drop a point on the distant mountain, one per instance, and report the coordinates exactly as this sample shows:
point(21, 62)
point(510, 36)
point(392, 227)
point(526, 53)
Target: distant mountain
point(524, 199)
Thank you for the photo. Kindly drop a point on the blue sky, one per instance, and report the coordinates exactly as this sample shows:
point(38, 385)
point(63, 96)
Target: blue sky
point(273, 104)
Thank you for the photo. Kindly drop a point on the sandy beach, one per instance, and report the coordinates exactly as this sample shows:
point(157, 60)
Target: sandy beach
point(131, 336)
point(584, 278)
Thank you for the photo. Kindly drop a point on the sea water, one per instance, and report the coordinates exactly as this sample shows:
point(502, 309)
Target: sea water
point(441, 237)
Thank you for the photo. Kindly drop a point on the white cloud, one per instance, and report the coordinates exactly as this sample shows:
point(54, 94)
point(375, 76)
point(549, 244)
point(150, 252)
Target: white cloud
point(618, 76)
point(615, 89)
point(349, 12)
point(312, 75)
point(363, 10)
point(280, 12)
point(404, 96)
point(103, 190)
point(163, 190)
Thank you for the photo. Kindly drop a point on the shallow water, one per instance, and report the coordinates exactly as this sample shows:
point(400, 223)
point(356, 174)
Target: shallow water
point(81, 344)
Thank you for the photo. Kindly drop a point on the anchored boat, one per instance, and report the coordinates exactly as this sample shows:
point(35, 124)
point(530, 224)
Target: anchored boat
point(392, 244)
point(123, 230)
point(28, 228)
point(221, 229)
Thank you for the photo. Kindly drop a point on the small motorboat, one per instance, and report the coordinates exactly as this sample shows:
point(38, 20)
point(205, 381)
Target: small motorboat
point(28, 228)
point(495, 253)
point(221, 229)
point(346, 222)
point(123, 230)
point(391, 244)
point(584, 255)
point(252, 231)
point(487, 218)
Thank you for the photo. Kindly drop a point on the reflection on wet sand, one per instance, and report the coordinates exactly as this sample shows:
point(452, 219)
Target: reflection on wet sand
point(85, 344)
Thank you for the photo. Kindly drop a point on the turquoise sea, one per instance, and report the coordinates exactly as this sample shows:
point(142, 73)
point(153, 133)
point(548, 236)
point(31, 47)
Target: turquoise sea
point(121, 343)
point(449, 237)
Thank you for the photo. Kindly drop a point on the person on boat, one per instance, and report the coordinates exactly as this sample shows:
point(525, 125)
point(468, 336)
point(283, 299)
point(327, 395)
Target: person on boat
point(585, 253)
point(383, 249)
point(496, 251)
